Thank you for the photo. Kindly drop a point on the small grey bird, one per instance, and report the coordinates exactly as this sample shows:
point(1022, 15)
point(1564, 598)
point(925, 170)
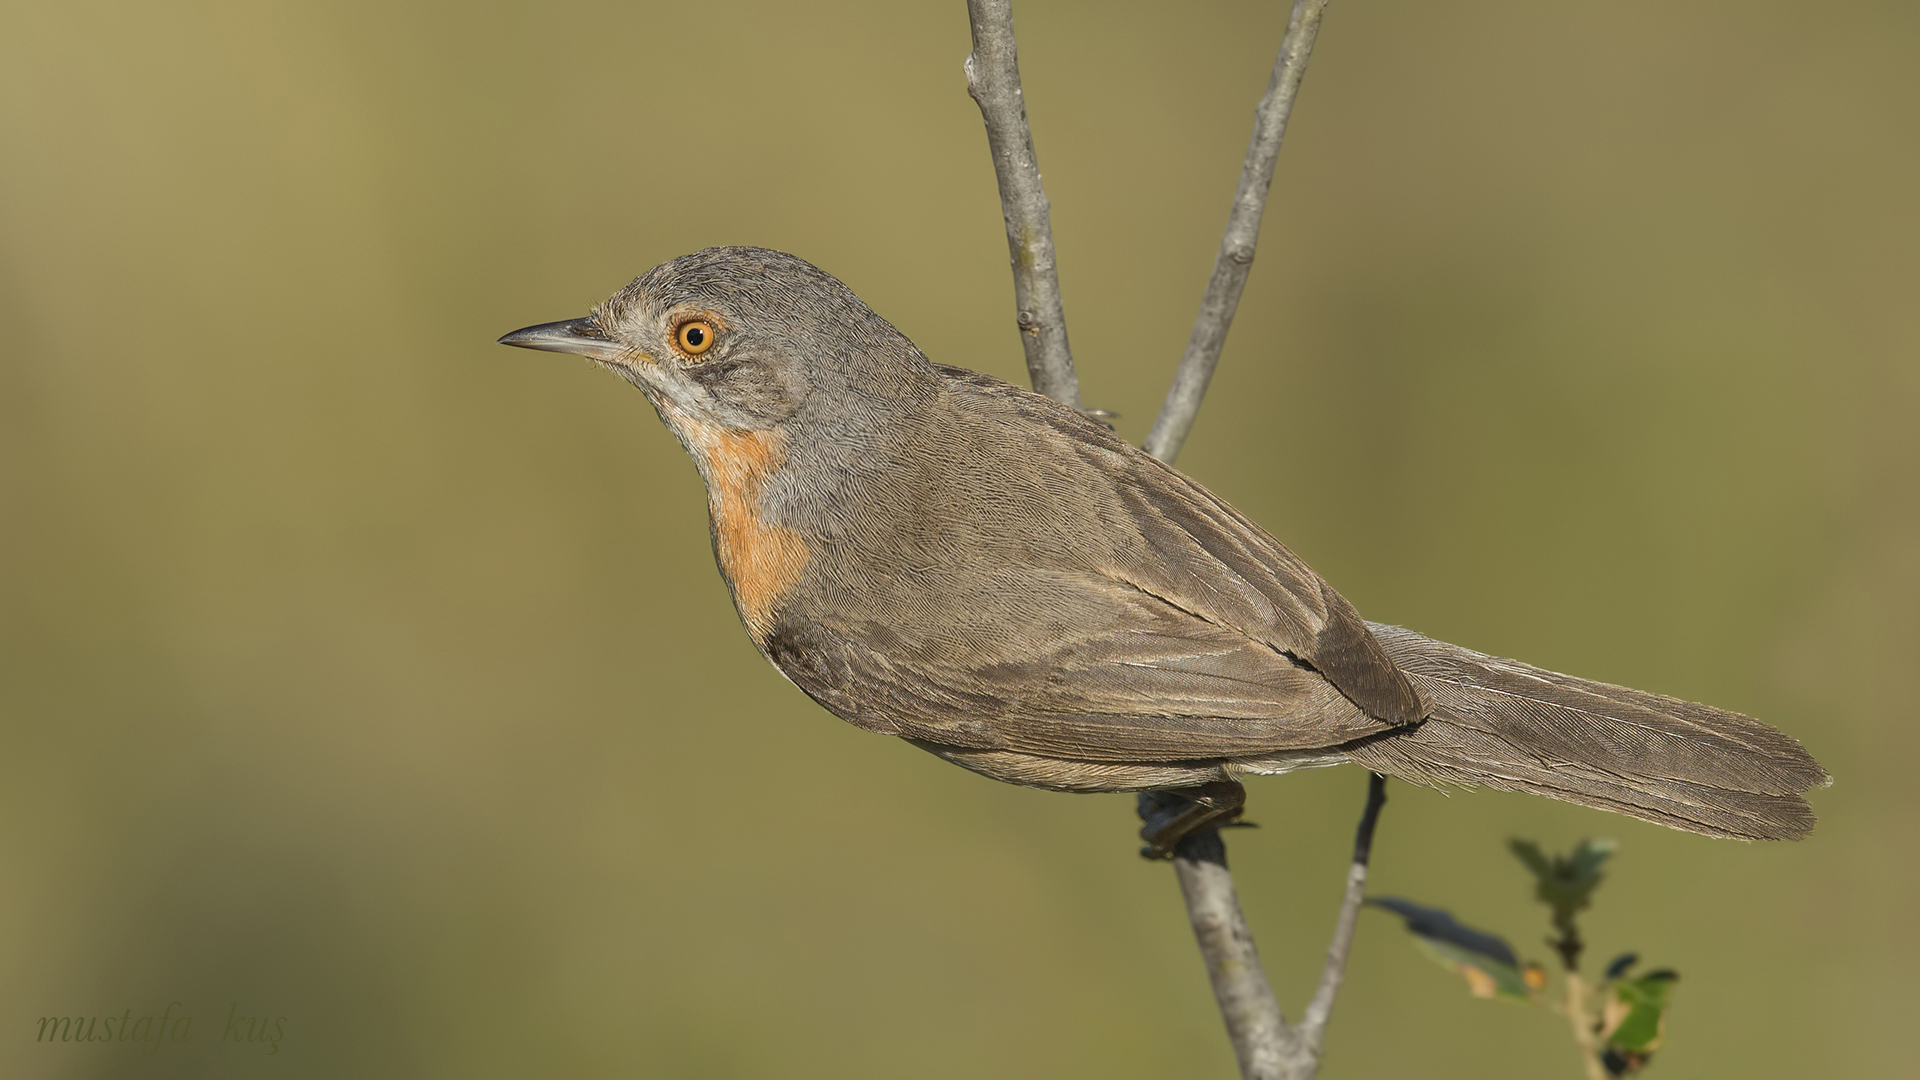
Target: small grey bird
point(931, 553)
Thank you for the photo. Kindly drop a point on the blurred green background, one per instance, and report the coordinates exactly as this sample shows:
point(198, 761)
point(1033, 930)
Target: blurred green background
point(356, 670)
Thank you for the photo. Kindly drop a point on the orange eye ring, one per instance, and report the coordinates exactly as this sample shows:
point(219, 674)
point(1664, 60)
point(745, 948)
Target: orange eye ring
point(693, 337)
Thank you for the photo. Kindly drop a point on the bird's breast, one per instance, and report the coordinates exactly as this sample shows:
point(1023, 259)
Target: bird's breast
point(760, 560)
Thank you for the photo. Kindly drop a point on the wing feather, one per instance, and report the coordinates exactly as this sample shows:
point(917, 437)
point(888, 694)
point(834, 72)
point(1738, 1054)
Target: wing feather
point(1124, 615)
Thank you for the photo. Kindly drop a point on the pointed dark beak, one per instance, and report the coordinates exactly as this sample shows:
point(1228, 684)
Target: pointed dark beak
point(582, 337)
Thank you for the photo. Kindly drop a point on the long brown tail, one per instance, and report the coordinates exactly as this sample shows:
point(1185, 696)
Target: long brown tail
point(1506, 725)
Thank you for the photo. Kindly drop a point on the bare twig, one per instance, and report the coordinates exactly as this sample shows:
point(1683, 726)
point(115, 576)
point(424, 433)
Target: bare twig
point(1243, 231)
point(993, 80)
point(1267, 1047)
point(1313, 1025)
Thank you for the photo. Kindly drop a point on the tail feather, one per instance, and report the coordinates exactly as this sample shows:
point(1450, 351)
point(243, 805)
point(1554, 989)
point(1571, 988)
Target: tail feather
point(1505, 725)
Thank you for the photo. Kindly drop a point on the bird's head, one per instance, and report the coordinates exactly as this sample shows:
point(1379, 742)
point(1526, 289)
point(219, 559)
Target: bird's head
point(741, 339)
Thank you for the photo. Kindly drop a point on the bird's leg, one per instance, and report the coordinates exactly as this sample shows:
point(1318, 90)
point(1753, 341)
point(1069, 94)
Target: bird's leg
point(1172, 815)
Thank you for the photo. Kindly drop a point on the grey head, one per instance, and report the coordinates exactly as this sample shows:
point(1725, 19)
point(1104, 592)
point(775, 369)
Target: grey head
point(743, 339)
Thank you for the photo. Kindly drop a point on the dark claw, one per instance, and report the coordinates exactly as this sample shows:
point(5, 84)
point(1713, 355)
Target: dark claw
point(1170, 817)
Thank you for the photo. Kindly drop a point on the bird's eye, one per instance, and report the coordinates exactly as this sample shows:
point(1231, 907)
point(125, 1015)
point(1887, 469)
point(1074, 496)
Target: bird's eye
point(694, 337)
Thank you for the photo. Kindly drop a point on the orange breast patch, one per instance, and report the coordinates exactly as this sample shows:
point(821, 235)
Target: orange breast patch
point(760, 561)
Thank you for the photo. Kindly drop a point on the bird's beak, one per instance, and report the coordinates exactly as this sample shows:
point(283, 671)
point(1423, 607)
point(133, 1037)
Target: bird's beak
point(580, 336)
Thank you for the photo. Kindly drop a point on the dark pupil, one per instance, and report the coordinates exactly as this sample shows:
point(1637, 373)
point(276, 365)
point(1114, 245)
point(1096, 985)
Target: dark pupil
point(696, 336)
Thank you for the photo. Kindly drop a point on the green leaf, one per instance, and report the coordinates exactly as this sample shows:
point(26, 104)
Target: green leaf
point(1586, 859)
point(1484, 960)
point(1635, 1019)
point(1529, 853)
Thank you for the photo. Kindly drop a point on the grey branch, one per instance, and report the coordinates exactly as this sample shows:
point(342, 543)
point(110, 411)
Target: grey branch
point(1267, 1047)
point(1313, 1025)
point(993, 80)
point(1231, 266)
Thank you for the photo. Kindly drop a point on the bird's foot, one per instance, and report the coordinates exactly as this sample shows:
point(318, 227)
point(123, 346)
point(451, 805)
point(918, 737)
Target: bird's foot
point(1182, 814)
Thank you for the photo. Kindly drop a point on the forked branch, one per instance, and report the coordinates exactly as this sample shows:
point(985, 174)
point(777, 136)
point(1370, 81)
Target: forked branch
point(1267, 1047)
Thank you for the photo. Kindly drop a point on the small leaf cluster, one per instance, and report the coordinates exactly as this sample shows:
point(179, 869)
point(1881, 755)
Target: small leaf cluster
point(1617, 1023)
point(1565, 883)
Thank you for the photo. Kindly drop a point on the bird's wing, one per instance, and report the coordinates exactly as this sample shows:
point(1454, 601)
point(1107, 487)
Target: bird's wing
point(1200, 555)
point(1173, 627)
point(1166, 689)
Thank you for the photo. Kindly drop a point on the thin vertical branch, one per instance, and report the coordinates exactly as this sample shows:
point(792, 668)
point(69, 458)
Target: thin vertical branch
point(1313, 1024)
point(993, 81)
point(1584, 1036)
point(1267, 1047)
point(1231, 266)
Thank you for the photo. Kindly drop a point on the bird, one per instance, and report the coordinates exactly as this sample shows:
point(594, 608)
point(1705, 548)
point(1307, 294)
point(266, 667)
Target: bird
point(1002, 581)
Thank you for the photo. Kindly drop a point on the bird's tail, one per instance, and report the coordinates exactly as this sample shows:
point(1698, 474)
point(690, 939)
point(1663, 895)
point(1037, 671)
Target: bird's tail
point(1506, 725)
